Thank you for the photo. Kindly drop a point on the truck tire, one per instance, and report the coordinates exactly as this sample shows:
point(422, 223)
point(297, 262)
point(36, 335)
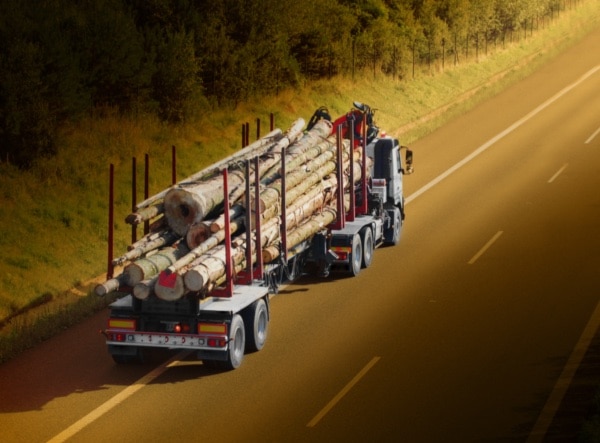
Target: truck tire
point(256, 319)
point(356, 257)
point(368, 247)
point(237, 343)
point(392, 234)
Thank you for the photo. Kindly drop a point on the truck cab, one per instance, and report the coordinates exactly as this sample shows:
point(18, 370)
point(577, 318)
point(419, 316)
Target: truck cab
point(387, 170)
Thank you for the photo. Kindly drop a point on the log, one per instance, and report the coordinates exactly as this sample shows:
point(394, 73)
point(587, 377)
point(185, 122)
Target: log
point(169, 287)
point(211, 268)
point(147, 244)
point(269, 157)
point(110, 285)
point(152, 265)
point(198, 233)
point(219, 223)
point(247, 152)
point(145, 214)
point(313, 225)
point(320, 131)
point(297, 182)
point(145, 288)
point(190, 204)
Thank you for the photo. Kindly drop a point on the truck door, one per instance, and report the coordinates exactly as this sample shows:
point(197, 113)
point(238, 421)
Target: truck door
point(395, 179)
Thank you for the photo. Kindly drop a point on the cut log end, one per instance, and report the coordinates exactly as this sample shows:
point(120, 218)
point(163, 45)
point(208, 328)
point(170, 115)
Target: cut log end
point(143, 289)
point(195, 280)
point(197, 233)
point(169, 287)
point(182, 209)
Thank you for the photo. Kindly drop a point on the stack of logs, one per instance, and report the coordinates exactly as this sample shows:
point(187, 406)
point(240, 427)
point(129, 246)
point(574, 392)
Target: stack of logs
point(184, 253)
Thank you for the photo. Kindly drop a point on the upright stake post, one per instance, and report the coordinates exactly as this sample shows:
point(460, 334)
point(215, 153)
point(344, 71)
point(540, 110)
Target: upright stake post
point(228, 266)
point(146, 188)
point(339, 222)
point(248, 275)
point(173, 165)
point(111, 216)
point(364, 207)
point(283, 230)
point(257, 220)
point(352, 208)
point(133, 197)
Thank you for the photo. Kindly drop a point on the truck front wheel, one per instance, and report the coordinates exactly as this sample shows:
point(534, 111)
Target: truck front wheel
point(392, 233)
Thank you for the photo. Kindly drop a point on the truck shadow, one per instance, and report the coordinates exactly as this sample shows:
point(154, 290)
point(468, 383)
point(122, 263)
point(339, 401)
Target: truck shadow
point(77, 362)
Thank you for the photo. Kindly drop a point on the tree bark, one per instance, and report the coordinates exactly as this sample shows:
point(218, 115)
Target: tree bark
point(248, 152)
point(152, 265)
point(147, 244)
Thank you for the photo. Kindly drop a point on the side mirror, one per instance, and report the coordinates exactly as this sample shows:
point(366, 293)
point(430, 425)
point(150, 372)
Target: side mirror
point(409, 160)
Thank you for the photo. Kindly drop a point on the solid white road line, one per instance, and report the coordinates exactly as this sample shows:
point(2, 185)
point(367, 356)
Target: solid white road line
point(501, 135)
point(343, 392)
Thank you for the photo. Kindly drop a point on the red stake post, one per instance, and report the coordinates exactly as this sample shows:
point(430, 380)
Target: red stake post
point(111, 216)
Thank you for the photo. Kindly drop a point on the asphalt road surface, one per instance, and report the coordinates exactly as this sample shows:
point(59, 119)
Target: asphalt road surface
point(468, 330)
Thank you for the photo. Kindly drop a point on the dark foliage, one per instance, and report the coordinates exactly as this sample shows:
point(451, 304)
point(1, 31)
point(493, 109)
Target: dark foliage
point(62, 58)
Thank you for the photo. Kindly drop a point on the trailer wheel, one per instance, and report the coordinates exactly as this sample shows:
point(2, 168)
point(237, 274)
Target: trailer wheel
point(356, 258)
point(256, 319)
point(237, 343)
point(368, 247)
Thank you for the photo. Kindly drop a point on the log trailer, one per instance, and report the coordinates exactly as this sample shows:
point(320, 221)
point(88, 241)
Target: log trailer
point(221, 324)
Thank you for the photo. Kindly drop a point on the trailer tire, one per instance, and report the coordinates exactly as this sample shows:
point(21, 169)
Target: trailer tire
point(256, 319)
point(237, 343)
point(356, 257)
point(368, 247)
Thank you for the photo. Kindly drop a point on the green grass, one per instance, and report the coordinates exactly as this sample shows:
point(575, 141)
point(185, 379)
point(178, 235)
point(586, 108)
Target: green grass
point(54, 217)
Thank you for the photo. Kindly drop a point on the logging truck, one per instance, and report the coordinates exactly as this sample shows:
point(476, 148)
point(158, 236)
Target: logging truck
point(317, 199)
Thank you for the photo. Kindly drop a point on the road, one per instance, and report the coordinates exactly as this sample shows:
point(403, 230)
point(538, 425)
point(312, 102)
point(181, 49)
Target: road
point(461, 333)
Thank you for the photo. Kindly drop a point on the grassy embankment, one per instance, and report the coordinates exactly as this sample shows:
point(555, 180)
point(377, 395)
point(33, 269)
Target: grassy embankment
point(54, 217)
